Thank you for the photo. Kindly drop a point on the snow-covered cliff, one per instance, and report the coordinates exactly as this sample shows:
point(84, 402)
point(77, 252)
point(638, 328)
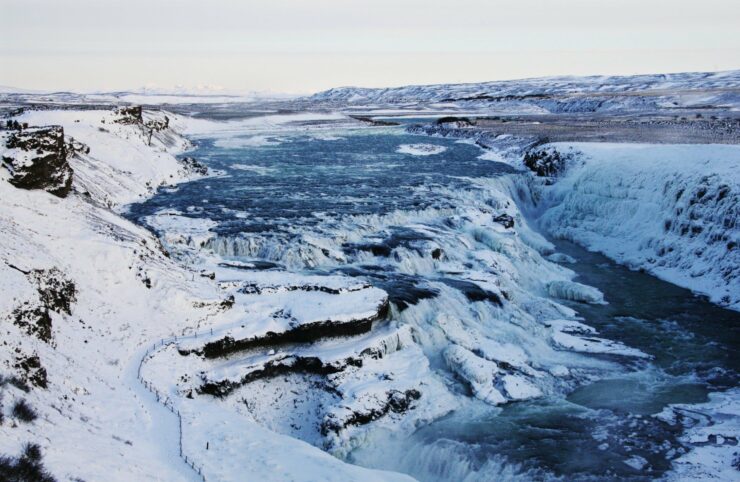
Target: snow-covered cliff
point(672, 210)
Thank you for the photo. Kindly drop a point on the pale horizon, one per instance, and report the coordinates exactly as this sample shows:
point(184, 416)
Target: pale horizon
point(300, 47)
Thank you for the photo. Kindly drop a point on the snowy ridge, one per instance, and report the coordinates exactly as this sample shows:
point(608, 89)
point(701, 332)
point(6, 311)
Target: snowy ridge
point(85, 358)
point(529, 89)
point(123, 164)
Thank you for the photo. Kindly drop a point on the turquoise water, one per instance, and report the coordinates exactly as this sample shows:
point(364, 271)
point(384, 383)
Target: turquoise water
point(591, 432)
point(293, 183)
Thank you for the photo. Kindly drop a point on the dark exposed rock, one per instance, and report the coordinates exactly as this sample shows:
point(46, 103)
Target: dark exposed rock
point(399, 237)
point(495, 98)
point(546, 162)
point(398, 402)
point(32, 371)
point(374, 122)
point(255, 288)
point(472, 291)
point(273, 368)
point(403, 290)
point(227, 303)
point(157, 124)
point(56, 291)
point(27, 467)
point(131, 115)
point(193, 166)
point(35, 320)
point(455, 121)
point(40, 161)
point(75, 147)
point(504, 220)
point(300, 334)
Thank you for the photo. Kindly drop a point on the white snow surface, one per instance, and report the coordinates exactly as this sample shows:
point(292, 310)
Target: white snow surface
point(420, 149)
point(135, 304)
point(520, 96)
point(673, 210)
point(712, 437)
point(120, 168)
point(96, 421)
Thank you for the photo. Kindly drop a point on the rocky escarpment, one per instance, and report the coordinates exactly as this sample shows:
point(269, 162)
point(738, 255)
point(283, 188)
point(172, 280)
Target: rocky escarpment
point(357, 306)
point(463, 128)
point(307, 358)
point(304, 333)
point(670, 210)
point(548, 161)
point(134, 115)
point(36, 158)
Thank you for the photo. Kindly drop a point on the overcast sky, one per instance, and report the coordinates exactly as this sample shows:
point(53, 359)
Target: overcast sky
point(309, 45)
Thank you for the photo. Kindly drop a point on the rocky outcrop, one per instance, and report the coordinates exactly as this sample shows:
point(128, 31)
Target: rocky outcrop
point(193, 166)
point(32, 371)
point(455, 122)
point(277, 367)
point(303, 333)
point(134, 115)
point(546, 162)
point(397, 402)
point(37, 159)
point(131, 115)
point(373, 122)
point(504, 220)
point(55, 293)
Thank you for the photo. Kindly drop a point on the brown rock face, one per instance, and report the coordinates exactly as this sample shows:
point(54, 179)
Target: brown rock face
point(40, 160)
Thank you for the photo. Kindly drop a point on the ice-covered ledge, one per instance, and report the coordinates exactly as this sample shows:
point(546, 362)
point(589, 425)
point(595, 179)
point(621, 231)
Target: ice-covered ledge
point(671, 210)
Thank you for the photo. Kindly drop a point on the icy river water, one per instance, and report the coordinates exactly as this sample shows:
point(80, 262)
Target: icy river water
point(283, 195)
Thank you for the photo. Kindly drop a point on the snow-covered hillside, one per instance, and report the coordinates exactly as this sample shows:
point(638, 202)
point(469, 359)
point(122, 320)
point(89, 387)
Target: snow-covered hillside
point(84, 293)
point(593, 91)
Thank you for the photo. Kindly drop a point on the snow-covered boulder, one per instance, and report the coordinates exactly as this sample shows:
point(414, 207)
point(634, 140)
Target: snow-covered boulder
point(570, 290)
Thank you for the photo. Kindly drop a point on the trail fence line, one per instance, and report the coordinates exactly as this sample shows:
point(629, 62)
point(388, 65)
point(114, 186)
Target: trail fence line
point(164, 400)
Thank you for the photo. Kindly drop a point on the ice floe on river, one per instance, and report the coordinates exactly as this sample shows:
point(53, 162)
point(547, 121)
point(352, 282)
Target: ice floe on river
point(421, 149)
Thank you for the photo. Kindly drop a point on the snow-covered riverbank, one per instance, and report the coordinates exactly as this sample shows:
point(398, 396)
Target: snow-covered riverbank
point(84, 292)
point(248, 365)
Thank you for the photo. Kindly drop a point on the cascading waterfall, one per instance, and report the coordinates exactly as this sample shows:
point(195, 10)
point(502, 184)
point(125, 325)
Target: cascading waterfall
point(469, 280)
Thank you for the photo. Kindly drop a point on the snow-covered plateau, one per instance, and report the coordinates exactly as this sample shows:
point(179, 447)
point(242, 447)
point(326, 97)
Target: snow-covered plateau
point(301, 296)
